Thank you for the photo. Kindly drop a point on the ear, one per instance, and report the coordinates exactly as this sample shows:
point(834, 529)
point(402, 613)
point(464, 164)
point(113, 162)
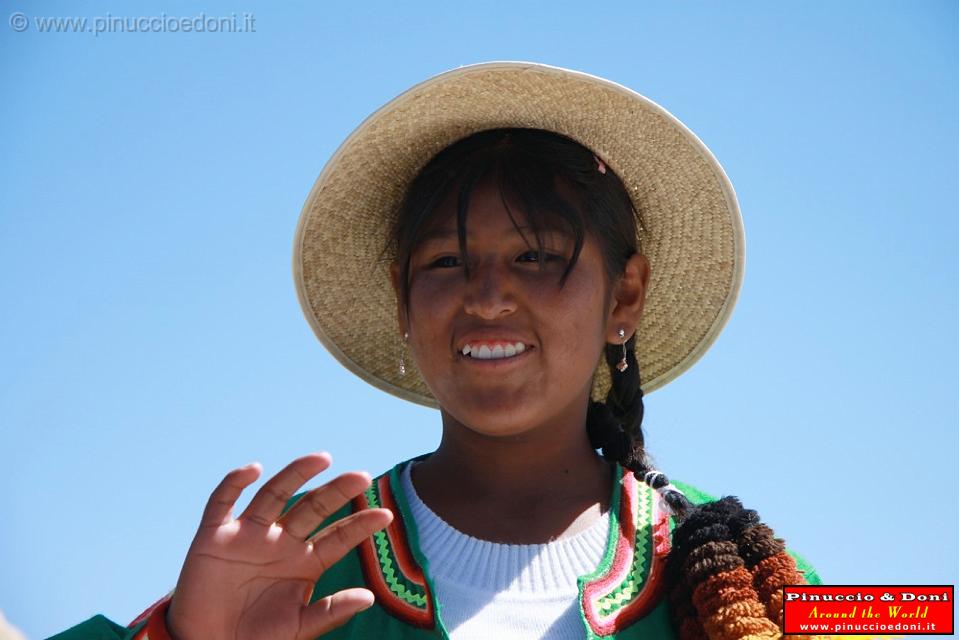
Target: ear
point(401, 317)
point(628, 299)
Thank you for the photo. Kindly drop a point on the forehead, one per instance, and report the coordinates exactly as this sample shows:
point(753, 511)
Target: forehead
point(485, 209)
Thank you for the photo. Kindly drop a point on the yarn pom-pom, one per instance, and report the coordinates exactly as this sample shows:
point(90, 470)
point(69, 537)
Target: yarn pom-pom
point(758, 543)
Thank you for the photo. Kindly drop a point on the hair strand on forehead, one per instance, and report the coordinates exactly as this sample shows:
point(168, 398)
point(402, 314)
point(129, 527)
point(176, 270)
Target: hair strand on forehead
point(552, 178)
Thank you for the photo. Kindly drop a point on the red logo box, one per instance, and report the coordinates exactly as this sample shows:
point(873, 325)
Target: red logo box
point(869, 610)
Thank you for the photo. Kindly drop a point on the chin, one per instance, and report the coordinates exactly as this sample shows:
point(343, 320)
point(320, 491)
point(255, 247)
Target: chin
point(498, 417)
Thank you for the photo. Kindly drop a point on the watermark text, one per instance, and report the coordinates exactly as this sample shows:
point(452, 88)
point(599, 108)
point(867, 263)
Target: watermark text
point(163, 23)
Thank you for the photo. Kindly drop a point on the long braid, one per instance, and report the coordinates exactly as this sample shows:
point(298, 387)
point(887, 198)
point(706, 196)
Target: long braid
point(616, 426)
point(726, 569)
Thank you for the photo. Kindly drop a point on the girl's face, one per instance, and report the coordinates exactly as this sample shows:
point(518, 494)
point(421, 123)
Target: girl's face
point(507, 349)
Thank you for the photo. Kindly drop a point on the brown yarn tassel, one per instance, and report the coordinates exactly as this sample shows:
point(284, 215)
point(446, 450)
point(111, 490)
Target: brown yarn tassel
point(683, 613)
point(771, 567)
point(769, 576)
point(730, 609)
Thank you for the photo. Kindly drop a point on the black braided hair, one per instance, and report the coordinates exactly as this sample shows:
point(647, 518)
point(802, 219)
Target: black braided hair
point(718, 547)
point(616, 425)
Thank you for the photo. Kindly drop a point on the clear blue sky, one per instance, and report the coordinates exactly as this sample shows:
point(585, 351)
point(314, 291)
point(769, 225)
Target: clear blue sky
point(150, 337)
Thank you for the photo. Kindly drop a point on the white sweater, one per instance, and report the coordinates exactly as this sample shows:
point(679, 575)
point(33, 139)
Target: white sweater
point(506, 591)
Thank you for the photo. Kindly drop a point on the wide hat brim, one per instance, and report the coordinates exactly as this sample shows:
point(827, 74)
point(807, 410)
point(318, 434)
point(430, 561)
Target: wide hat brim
point(693, 234)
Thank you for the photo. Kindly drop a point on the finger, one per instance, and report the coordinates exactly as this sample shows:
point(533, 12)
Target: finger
point(268, 503)
point(332, 611)
point(334, 541)
point(316, 506)
point(219, 507)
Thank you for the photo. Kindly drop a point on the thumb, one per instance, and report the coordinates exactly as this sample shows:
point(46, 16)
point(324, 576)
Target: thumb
point(332, 611)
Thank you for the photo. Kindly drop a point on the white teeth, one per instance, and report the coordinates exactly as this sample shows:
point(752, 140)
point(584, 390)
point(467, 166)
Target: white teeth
point(498, 352)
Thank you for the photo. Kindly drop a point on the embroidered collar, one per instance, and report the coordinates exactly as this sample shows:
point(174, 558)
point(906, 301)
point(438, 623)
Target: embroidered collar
point(390, 569)
point(625, 587)
point(628, 582)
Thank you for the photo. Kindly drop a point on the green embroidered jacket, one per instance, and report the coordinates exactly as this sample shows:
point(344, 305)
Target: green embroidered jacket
point(622, 599)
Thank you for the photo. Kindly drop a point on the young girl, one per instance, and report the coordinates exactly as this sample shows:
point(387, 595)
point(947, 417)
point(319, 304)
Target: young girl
point(528, 249)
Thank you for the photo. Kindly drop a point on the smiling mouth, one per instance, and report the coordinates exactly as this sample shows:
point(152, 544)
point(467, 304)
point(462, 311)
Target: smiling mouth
point(494, 351)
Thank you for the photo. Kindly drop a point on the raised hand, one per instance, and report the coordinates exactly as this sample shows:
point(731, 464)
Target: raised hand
point(250, 578)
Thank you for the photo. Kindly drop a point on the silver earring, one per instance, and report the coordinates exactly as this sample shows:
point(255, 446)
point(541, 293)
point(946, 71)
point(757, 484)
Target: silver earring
point(622, 365)
point(406, 338)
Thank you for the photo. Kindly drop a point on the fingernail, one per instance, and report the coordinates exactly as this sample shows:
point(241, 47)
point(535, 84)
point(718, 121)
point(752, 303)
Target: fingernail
point(369, 604)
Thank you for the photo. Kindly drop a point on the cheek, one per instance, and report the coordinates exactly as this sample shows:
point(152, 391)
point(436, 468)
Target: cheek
point(427, 291)
point(432, 301)
point(576, 315)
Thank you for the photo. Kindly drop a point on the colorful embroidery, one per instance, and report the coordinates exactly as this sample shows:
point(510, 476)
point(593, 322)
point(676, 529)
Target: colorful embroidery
point(155, 627)
point(630, 585)
point(390, 571)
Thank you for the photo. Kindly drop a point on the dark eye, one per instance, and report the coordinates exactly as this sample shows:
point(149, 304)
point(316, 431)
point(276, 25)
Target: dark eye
point(445, 262)
point(536, 256)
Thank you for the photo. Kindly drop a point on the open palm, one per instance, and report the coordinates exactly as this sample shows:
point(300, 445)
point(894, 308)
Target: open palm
point(251, 578)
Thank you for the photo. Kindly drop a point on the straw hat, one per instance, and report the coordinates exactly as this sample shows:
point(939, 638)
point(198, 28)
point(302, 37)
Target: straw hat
point(693, 238)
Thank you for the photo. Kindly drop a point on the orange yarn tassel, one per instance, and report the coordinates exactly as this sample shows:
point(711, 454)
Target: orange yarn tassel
point(769, 576)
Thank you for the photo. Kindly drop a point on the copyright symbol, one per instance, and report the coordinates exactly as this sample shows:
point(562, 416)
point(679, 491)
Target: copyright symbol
point(19, 22)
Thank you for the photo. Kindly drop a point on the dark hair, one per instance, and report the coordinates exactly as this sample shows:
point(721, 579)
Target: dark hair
point(559, 183)
point(532, 166)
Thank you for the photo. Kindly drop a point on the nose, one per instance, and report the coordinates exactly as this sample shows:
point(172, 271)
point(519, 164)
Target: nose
point(489, 292)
